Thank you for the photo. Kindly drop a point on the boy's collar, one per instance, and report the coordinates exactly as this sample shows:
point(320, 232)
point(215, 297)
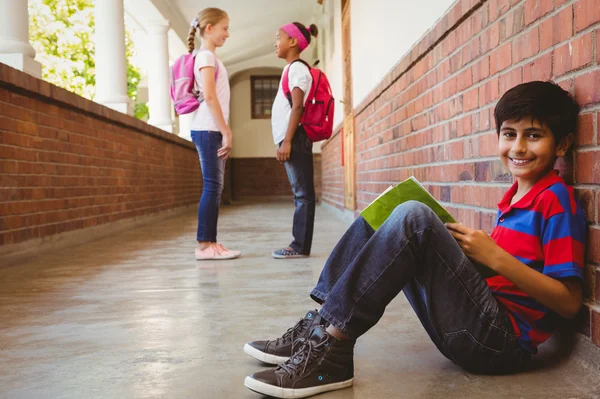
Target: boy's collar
point(548, 180)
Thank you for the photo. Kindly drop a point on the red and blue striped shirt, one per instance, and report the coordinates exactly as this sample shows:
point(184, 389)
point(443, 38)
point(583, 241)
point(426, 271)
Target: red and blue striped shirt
point(546, 230)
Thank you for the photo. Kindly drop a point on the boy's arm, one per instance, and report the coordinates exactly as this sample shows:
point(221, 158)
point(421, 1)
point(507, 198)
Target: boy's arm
point(283, 153)
point(562, 296)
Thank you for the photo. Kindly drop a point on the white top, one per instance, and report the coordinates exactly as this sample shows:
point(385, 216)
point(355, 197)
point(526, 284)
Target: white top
point(203, 119)
point(300, 77)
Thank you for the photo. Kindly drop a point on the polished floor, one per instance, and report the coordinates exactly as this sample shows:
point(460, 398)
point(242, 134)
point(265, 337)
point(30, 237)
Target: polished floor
point(135, 316)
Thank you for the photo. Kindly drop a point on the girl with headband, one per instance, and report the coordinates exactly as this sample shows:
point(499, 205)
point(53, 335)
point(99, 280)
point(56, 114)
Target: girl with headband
point(210, 130)
point(294, 146)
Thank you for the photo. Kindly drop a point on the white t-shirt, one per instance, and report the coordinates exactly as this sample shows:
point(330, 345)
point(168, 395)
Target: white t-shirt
point(300, 77)
point(203, 119)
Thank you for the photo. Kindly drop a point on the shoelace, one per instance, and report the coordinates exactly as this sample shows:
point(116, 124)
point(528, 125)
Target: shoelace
point(220, 248)
point(307, 353)
point(298, 328)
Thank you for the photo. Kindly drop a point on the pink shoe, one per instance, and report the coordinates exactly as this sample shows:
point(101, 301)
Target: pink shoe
point(216, 252)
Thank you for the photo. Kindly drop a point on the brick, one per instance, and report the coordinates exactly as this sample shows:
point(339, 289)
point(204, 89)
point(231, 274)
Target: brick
point(587, 13)
point(595, 327)
point(585, 129)
point(526, 45)
point(481, 70)
point(587, 88)
point(593, 245)
point(488, 92)
point(539, 69)
point(598, 46)
point(501, 58)
point(511, 79)
point(497, 8)
point(576, 54)
point(587, 167)
point(556, 29)
point(513, 23)
point(535, 9)
point(587, 200)
point(471, 100)
point(591, 283)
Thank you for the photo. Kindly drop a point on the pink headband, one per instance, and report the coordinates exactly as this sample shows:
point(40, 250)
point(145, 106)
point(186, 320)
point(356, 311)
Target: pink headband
point(293, 31)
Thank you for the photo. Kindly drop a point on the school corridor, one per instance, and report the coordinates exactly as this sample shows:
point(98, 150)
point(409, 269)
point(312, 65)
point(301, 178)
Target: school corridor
point(133, 315)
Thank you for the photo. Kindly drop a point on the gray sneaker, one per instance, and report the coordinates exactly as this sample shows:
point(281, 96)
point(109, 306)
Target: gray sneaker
point(321, 364)
point(285, 253)
point(280, 349)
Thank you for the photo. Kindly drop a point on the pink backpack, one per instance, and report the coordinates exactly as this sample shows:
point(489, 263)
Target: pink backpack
point(184, 94)
point(317, 117)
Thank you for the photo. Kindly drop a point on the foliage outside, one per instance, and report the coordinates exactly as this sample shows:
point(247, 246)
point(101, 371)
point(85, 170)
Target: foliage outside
point(61, 32)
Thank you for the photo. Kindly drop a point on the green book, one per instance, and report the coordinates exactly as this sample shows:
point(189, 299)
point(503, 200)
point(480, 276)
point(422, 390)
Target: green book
point(409, 190)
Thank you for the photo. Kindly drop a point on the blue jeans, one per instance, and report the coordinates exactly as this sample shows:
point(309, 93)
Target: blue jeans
point(300, 172)
point(413, 252)
point(213, 174)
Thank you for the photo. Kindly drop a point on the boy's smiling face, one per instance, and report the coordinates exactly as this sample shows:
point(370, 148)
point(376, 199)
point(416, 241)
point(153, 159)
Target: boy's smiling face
point(528, 149)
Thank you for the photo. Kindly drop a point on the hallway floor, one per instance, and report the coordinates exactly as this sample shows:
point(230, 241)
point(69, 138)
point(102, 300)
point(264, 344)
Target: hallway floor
point(135, 316)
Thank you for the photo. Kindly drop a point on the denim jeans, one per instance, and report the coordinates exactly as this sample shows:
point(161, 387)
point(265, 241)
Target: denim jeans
point(413, 252)
point(213, 174)
point(300, 172)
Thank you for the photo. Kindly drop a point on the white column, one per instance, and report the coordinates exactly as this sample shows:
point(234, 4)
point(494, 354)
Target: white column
point(15, 49)
point(158, 76)
point(185, 126)
point(111, 65)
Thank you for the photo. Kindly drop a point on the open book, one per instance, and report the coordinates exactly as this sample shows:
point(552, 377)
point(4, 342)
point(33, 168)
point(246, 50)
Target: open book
point(410, 189)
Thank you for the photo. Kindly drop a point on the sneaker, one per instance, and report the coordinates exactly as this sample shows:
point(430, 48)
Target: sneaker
point(323, 363)
point(216, 251)
point(285, 253)
point(280, 350)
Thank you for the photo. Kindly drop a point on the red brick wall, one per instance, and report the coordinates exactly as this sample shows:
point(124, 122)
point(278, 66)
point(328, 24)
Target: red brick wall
point(432, 116)
point(265, 177)
point(333, 171)
point(67, 163)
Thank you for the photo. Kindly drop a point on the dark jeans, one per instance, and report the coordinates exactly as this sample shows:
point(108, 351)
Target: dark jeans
point(413, 252)
point(213, 174)
point(300, 172)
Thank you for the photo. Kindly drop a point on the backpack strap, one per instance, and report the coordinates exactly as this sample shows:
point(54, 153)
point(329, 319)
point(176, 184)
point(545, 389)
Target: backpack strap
point(285, 80)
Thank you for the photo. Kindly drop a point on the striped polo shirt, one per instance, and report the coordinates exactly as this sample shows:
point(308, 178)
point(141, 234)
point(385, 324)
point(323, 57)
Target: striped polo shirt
point(546, 230)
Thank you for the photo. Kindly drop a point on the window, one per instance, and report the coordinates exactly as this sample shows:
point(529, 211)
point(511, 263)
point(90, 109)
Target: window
point(264, 89)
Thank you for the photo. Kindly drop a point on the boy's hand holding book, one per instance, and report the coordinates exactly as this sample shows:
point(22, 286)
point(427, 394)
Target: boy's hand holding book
point(476, 244)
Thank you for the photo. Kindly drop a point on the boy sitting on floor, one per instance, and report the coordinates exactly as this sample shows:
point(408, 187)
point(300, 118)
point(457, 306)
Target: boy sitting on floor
point(490, 325)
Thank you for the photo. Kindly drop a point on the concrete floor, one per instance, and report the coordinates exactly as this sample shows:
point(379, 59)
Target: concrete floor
point(135, 316)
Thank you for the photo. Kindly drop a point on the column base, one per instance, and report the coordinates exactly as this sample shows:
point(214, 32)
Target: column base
point(23, 63)
point(185, 126)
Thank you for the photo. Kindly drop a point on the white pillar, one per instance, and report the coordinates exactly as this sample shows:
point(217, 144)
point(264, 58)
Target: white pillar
point(158, 76)
point(15, 49)
point(111, 65)
point(185, 126)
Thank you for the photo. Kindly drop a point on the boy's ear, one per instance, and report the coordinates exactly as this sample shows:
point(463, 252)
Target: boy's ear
point(564, 145)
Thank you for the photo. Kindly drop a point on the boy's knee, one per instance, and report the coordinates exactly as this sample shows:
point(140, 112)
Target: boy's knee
point(413, 210)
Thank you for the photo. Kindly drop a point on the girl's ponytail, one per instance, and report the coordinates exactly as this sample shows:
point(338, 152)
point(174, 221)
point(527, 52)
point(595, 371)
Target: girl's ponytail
point(314, 31)
point(192, 39)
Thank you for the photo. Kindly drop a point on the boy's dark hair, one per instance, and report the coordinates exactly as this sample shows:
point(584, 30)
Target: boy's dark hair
point(545, 102)
point(312, 30)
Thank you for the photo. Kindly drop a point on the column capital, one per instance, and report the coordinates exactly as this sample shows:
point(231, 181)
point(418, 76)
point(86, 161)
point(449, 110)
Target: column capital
point(15, 49)
point(156, 26)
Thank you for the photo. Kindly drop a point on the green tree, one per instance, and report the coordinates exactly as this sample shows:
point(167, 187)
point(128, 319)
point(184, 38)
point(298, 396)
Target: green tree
point(61, 32)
